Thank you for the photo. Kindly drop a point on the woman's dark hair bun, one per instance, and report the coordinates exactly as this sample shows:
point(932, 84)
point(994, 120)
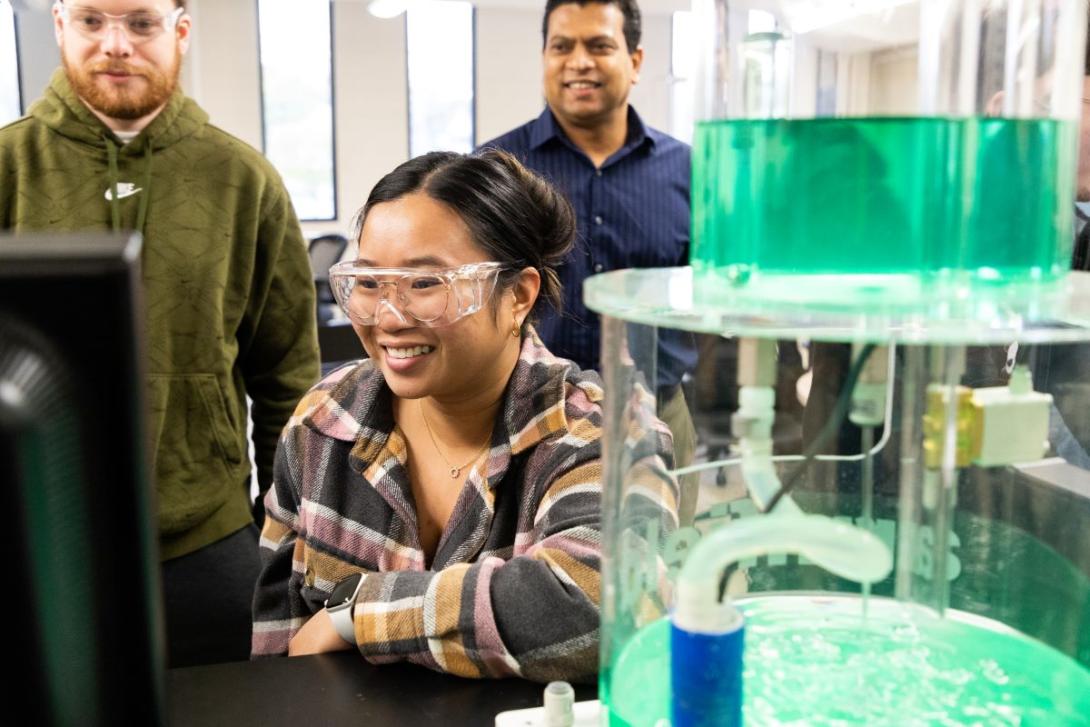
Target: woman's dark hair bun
point(516, 216)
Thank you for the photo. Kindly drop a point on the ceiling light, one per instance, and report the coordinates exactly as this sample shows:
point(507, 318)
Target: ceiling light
point(387, 8)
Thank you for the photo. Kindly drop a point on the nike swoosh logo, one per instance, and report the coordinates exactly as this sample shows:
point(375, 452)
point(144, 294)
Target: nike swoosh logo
point(124, 189)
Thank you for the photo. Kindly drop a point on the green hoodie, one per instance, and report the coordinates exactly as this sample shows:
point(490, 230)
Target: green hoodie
point(228, 290)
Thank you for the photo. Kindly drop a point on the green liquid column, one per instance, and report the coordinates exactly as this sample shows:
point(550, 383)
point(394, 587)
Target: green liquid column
point(884, 195)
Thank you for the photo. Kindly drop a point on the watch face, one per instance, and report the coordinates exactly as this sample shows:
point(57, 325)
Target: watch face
point(344, 590)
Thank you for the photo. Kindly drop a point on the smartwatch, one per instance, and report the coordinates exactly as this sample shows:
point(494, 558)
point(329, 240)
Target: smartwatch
point(339, 606)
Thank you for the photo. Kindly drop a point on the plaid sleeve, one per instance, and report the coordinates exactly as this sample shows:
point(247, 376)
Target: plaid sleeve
point(278, 610)
point(534, 615)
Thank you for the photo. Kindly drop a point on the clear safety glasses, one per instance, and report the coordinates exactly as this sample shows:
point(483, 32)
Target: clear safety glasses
point(429, 297)
point(139, 27)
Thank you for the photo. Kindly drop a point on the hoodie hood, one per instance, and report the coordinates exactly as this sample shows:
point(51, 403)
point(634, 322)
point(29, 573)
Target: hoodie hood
point(64, 112)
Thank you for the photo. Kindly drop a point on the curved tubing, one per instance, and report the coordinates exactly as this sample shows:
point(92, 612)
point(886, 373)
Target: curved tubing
point(838, 547)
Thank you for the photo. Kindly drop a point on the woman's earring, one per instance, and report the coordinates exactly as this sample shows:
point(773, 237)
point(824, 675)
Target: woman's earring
point(516, 329)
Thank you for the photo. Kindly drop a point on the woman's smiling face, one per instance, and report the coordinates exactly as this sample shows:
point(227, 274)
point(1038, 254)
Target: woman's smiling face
point(454, 361)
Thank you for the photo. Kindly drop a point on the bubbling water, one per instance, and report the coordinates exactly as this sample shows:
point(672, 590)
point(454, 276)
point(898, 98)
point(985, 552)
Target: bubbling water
point(814, 661)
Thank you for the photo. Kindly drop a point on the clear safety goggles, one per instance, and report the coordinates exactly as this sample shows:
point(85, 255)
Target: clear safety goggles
point(139, 26)
point(428, 297)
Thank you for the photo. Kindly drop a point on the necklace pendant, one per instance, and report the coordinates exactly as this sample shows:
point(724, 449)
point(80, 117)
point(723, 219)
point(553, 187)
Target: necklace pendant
point(454, 472)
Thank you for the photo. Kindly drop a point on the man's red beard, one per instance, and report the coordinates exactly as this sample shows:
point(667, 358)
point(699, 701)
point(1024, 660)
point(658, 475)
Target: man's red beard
point(118, 102)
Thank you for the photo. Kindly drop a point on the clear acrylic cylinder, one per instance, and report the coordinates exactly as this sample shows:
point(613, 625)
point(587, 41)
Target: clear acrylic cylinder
point(984, 617)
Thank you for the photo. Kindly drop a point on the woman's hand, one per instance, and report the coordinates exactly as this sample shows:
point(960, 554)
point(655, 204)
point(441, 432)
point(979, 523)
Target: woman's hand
point(317, 637)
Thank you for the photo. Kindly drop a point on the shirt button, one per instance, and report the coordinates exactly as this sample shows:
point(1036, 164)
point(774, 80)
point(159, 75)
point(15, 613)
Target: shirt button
point(597, 172)
point(597, 219)
point(599, 268)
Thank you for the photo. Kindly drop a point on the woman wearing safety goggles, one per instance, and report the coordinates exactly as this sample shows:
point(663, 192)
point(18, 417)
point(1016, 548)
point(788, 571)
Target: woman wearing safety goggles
point(439, 502)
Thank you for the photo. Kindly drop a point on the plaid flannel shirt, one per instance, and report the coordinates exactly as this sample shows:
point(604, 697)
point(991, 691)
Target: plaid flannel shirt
point(514, 588)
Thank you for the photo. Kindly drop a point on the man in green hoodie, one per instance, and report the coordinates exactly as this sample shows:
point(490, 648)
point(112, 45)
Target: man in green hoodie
point(228, 289)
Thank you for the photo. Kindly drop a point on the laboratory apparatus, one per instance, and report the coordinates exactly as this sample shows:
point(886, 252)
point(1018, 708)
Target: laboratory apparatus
point(887, 517)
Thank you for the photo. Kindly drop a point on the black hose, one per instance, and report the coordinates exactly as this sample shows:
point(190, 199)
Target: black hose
point(832, 425)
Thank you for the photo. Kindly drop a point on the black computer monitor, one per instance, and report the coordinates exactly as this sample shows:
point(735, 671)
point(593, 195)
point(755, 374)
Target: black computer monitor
point(85, 626)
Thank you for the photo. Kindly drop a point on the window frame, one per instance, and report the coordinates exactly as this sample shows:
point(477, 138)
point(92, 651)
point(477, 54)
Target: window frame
point(473, 128)
point(332, 106)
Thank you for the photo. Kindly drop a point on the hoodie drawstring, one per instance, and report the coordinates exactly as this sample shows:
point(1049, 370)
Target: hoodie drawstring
point(142, 213)
point(145, 193)
point(115, 211)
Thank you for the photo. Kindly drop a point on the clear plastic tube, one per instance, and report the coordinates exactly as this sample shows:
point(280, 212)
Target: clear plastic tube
point(838, 547)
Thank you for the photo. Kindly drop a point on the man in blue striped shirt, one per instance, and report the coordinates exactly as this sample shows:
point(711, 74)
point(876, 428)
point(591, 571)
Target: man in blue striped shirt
point(628, 183)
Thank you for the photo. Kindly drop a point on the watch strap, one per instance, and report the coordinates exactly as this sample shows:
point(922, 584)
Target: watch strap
point(342, 616)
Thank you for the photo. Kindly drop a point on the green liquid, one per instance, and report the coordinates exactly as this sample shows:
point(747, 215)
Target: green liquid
point(884, 195)
point(808, 664)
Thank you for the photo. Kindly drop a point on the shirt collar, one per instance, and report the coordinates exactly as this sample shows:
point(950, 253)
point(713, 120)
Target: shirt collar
point(545, 128)
point(533, 407)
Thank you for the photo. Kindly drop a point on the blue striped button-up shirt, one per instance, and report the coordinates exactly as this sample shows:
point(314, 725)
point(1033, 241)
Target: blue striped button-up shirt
point(632, 212)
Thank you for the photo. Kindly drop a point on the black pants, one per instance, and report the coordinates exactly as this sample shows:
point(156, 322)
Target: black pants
point(208, 598)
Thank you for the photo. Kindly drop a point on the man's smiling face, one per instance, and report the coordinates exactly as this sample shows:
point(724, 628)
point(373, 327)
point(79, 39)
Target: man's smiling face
point(588, 70)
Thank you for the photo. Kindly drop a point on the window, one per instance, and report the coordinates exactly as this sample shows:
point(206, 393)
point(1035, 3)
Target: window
point(439, 35)
point(11, 106)
point(297, 101)
point(765, 56)
point(683, 59)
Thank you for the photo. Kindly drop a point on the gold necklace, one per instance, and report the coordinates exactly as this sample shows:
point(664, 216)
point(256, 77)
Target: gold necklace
point(454, 471)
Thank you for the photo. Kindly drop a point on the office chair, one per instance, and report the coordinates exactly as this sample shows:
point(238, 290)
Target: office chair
point(325, 251)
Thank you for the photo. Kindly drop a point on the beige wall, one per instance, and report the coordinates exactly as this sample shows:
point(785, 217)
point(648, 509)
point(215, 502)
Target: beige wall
point(372, 117)
point(508, 70)
point(38, 54)
point(651, 96)
point(894, 82)
point(222, 67)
